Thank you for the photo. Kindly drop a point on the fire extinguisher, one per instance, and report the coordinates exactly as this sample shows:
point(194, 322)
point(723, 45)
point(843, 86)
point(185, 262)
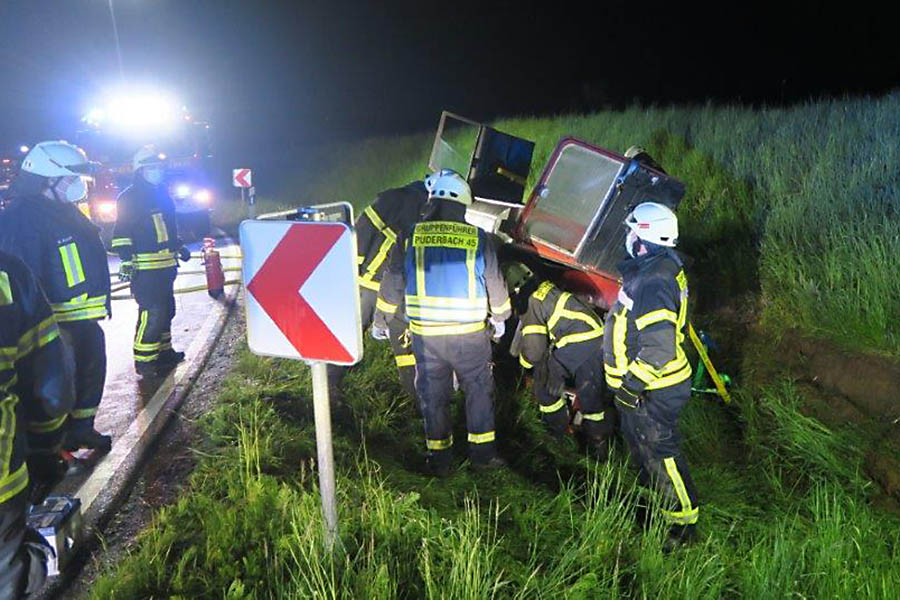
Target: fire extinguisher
point(215, 277)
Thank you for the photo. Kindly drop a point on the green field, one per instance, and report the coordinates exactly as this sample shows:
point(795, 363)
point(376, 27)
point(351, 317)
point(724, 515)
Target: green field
point(792, 219)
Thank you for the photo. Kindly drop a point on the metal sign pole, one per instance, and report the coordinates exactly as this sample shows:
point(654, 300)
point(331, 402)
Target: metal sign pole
point(243, 196)
point(252, 199)
point(322, 412)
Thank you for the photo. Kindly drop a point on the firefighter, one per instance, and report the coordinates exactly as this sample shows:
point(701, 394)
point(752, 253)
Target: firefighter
point(645, 362)
point(36, 395)
point(45, 229)
point(146, 239)
point(391, 215)
point(639, 154)
point(562, 339)
point(446, 275)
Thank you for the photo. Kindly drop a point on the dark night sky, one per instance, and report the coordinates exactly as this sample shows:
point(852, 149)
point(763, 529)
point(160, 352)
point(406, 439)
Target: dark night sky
point(271, 72)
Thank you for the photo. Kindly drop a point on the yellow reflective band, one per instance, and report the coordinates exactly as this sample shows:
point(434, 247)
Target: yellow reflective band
point(423, 329)
point(7, 433)
point(84, 413)
point(80, 308)
point(441, 301)
point(540, 294)
point(119, 242)
point(405, 360)
point(71, 262)
point(670, 380)
point(534, 329)
point(593, 416)
point(147, 358)
point(524, 362)
point(656, 316)
point(686, 517)
point(613, 382)
point(162, 233)
point(46, 426)
point(390, 238)
point(385, 306)
point(147, 347)
point(482, 438)
point(38, 336)
point(439, 444)
point(619, 328)
point(13, 483)
point(6, 295)
point(142, 326)
point(678, 483)
point(574, 338)
point(674, 372)
point(552, 408)
point(505, 307)
point(379, 224)
point(360, 260)
point(369, 285)
point(442, 314)
point(557, 310)
point(442, 234)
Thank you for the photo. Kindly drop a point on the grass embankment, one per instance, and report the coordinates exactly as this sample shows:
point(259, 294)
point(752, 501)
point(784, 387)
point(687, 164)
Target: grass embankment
point(777, 200)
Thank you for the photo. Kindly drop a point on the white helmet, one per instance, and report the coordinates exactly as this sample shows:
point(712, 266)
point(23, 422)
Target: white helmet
point(57, 159)
point(148, 156)
point(634, 151)
point(449, 185)
point(654, 223)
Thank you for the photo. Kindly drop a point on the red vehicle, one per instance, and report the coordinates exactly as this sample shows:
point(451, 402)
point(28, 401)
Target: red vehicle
point(571, 229)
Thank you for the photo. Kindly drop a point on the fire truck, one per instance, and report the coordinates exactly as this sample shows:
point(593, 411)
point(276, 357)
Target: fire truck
point(112, 135)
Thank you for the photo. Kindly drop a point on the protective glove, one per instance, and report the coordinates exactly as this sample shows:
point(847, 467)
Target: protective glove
point(184, 254)
point(379, 333)
point(628, 398)
point(499, 328)
point(126, 271)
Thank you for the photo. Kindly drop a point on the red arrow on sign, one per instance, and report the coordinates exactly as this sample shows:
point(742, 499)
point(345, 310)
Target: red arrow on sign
point(276, 286)
point(240, 177)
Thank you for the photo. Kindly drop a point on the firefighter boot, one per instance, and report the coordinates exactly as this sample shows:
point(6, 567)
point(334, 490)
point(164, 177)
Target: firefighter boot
point(439, 462)
point(88, 438)
point(679, 536)
point(169, 358)
point(556, 422)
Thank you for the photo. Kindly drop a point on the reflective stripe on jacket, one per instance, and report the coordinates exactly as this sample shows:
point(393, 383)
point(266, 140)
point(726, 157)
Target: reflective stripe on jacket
point(558, 322)
point(645, 329)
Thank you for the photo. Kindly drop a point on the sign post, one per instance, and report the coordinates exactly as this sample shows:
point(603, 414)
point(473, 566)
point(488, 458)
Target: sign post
point(303, 303)
point(243, 178)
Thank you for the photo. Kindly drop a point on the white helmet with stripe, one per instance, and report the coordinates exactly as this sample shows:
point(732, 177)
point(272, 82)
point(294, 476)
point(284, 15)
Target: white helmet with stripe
point(57, 159)
point(447, 184)
point(655, 223)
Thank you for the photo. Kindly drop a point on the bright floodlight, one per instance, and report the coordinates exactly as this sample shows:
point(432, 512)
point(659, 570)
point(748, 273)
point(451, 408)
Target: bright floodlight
point(136, 111)
point(23, 149)
point(203, 196)
point(183, 191)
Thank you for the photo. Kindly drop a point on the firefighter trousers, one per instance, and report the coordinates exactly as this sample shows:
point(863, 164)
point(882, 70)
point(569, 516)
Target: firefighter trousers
point(23, 567)
point(401, 345)
point(153, 291)
point(86, 344)
point(651, 431)
point(594, 400)
point(437, 359)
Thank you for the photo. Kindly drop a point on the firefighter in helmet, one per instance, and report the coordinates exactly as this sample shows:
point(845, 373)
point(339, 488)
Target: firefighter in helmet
point(146, 239)
point(36, 395)
point(44, 228)
point(391, 215)
point(446, 276)
point(561, 339)
point(645, 363)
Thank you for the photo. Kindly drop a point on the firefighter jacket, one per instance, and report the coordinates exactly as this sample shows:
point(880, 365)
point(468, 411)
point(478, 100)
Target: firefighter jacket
point(146, 233)
point(556, 324)
point(645, 329)
point(446, 271)
point(33, 368)
point(391, 215)
point(63, 250)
